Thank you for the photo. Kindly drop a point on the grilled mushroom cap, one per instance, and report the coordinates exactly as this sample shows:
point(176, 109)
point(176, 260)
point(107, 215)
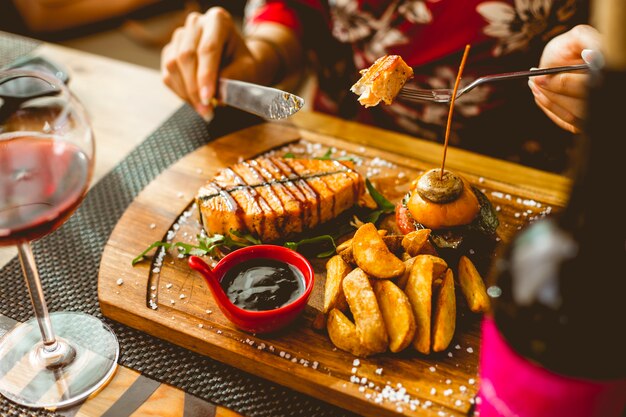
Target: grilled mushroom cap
point(439, 188)
point(439, 203)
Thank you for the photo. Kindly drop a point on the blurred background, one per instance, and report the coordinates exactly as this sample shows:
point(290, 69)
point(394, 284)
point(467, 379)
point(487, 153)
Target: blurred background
point(128, 30)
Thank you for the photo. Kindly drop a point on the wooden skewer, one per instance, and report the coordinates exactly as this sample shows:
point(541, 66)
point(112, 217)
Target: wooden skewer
point(452, 100)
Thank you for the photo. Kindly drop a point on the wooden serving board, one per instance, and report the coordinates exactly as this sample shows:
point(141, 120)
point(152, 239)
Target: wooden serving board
point(165, 298)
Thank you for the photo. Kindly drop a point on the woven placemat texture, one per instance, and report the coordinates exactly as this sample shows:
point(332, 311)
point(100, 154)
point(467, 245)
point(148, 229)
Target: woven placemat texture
point(13, 47)
point(69, 259)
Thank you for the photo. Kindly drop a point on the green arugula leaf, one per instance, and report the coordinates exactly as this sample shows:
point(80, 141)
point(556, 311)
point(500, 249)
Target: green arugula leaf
point(140, 257)
point(384, 206)
point(317, 240)
point(327, 254)
point(346, 158)
point(374, 216)
point(291, 245)
point(186, 248)
point(382, 203)
point(196, 252)
point(208, 243)
point(183, 248)
point(326, 156)
point(289, 155)
point(246, 236)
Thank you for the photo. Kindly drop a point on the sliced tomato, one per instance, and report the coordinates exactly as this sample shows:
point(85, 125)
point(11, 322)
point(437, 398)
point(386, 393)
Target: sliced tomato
point(403, 219)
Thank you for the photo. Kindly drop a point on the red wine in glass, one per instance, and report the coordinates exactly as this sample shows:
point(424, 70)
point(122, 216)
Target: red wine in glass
point(42, 181)
point(46, 159)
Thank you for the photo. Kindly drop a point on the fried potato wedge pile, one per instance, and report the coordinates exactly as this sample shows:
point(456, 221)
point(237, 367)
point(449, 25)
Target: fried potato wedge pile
point(388, 292)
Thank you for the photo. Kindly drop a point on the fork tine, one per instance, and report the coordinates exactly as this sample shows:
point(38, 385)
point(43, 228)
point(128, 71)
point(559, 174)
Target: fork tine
point(416, 91)
point(414, 94)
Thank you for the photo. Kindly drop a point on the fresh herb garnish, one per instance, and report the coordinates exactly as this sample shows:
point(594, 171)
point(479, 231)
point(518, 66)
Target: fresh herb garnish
point(324, 240)
point(209, 245)
point(184, 248)
point(384, 206)
point(247, 238)
point(326, 156)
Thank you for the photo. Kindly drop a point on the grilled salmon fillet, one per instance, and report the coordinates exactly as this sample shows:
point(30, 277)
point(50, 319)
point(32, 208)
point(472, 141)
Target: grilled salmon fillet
point(382, 81)
point(274, 198)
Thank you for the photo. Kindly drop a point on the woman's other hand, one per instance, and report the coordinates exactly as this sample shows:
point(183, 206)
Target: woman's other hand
point(563, 96)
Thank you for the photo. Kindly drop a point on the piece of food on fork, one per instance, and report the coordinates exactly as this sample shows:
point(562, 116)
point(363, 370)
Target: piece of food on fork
point(276, 198)
point(382, 81)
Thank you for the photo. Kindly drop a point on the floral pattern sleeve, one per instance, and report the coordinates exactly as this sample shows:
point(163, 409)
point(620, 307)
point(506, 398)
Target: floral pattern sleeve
point(500, 120)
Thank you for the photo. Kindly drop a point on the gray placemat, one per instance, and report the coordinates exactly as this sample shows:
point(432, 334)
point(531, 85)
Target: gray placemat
point(69, 259)
point(13, 47)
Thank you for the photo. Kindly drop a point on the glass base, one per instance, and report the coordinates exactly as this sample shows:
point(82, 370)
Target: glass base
point(83, 361)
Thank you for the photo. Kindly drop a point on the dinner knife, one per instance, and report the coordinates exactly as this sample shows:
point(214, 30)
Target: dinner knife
point(267, 102)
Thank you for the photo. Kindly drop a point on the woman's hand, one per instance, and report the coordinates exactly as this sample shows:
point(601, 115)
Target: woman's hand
point(191, 62)
point(562, 96)
point(209, 46)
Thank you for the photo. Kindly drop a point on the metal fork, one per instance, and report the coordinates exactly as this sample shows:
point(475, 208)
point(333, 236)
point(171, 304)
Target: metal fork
point(444, 95)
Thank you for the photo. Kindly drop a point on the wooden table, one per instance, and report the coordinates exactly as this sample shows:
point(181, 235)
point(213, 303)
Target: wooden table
point(126, 103)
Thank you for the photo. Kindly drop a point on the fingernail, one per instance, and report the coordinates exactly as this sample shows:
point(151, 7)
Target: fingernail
point(539, 79)
point(206, 112)
point(208, 115)
point(532, 86)
point(204, 96)
point(593, 58)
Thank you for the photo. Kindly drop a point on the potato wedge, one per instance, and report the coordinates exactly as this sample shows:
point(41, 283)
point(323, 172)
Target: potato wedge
point(370, 327)
point(472, 286)
point(419, 290)
point(336, 271)
point(404, 278)
point(415, 241)
point(397, 314)
point(372, 255)
point(348, 256)
point(344, 245)
point(342, 333)
point(444, 318)
point(348, 243)
point(393, 243)
point(439, 265)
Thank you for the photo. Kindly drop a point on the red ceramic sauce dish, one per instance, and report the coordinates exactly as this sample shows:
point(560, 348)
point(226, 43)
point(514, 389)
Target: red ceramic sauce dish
point(264, 321)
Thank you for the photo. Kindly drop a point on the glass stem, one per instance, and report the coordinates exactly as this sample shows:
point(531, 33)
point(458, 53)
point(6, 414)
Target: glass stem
point(29, 268)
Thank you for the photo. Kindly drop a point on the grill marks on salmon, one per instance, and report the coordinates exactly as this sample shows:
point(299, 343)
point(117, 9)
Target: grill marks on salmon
point(274, 198)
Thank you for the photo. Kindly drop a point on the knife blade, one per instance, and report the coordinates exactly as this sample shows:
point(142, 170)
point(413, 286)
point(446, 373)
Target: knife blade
point(267, 102)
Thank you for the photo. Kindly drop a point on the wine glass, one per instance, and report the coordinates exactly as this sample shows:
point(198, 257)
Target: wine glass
point(46, 162)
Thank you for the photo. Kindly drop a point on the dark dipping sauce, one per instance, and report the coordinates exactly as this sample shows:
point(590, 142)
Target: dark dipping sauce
point(261, 284)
